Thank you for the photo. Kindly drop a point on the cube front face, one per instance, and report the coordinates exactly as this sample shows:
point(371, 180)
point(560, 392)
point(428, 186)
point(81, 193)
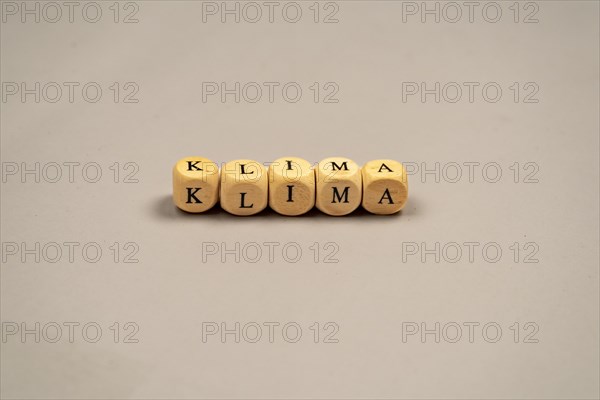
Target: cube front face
point(291, 186)
point(195, 184)
point(339, 186)
point(244, 187)
point(385, 186)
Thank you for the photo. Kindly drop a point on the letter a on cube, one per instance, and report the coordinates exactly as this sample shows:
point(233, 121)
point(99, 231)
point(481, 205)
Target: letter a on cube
point(385, 186)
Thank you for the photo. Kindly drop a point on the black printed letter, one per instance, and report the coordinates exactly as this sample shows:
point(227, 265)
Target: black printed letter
point(344, 165)
point(192, 164)
point(192, 195)
point(387, 196)
point(242, 202)
point(384, 166)
point(337, 195)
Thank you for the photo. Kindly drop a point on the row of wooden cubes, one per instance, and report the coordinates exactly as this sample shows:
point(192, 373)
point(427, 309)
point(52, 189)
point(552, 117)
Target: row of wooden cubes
point(290, 186)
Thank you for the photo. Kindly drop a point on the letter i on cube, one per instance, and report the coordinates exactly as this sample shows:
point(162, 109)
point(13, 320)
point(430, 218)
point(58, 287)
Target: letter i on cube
point(291, 186)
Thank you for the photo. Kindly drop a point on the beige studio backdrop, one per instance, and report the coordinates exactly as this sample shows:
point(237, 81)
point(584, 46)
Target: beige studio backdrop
point(485, 286)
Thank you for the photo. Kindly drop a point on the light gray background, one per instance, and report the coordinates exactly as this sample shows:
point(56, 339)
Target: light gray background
point(370, 292)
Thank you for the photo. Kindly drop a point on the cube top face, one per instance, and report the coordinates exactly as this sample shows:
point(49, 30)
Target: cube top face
point(244, 187)
point(292, 169)
point(291, 186)
point(196, 168)
point(385, 186)
point(388, 169)
point(195, 184)
point(339, 186)
point(243, 171)
point(335, 168)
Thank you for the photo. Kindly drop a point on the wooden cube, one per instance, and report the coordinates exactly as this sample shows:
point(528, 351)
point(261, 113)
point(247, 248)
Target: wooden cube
point(291, 186)
point(339, 186)
point(195, 184)
point(244, 187)
point(385, 186)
